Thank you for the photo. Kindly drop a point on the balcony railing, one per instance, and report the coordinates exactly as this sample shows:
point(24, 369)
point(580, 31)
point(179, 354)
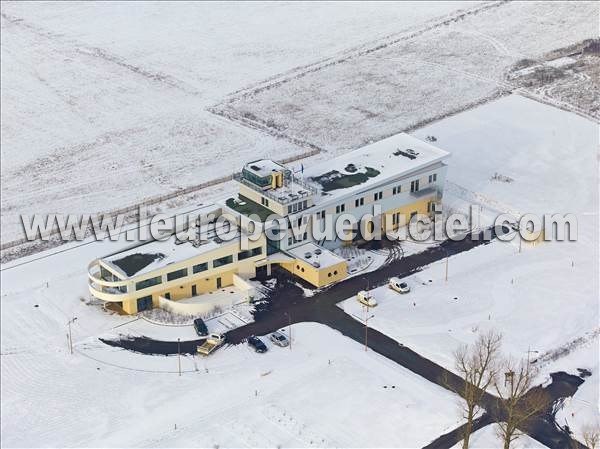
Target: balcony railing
point(282, 195)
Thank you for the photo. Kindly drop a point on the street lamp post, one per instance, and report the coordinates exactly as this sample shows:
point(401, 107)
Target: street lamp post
point(447, 258)
point(367, 328)
point(179, 355)
point(72, 320)
point(289, 327)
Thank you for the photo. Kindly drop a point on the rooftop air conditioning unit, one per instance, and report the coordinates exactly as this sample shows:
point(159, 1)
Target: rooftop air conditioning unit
point(307, 255)
point(318, 251)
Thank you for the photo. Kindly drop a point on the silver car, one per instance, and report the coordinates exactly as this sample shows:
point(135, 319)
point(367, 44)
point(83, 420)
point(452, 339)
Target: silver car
point(279, 339)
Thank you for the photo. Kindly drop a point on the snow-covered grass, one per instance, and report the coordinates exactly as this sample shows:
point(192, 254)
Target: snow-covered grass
point(318, 394)
point(487, 438)
point(541, 298)
point(419, 78)
point(583, 409)
point(104, 104)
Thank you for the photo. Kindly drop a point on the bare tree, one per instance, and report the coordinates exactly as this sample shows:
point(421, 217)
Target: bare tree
point(591, 436)
point(478, 365)
point(521, 401)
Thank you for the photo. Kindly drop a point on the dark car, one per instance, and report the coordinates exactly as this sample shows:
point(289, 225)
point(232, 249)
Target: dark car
point(200, 327)
point(257, 344)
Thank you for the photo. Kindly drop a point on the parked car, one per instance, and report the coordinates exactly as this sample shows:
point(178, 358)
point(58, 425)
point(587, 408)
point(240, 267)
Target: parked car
point(257, 344)
point(212, 343)
point(200, 327)
point(398, 285)
point(279, 339)
point(366, 298)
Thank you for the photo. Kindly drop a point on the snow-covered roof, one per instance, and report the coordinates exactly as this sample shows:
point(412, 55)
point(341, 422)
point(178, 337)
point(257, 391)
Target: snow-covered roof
point(264, 167)
point(158, 254)
point(379, 162)
point(315, 255)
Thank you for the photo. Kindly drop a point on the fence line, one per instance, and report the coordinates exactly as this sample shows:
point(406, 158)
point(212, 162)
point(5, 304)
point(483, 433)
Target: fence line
point(166, 197)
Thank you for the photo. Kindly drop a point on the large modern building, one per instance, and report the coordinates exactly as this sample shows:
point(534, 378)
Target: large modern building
point(396, 178)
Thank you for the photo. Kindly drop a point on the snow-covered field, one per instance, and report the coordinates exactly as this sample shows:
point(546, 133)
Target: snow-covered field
point(487, 438)
point(324, 392)
point(104, 104)
point(368, 96)
point(541, 298)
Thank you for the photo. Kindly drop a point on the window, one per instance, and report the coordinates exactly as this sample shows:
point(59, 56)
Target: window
point(249, 253)
point(304, 204)
point(397, 189)
point(320, 214)
point(177, 274)
point(359, 202)
point(289, 209)
point(414, 186)
point(329, 274)
point(200, 267)
point(167, 295)
point(431, 206)
point(413, 215)
point(222, 261)
point(289, 241)
point(148, 283)
point(432, 178)
point(295, 207)
point(340, 208)
point(264, 201)
point(377, 196)
point(335, 273)
point(144, 303)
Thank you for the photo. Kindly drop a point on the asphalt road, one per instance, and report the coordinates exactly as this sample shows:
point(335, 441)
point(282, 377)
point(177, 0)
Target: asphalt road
point(286, 304)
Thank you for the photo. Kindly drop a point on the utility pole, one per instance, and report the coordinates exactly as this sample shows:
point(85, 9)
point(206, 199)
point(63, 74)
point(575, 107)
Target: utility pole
point(447, 267)
point(520, 243)
point(72, 320)
point(289, 327)
point(179, 355)
point(367, 328)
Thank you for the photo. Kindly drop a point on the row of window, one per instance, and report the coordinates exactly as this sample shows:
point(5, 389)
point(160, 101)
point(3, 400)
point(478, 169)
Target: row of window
point(199, 268)
point(297, 206)
point(377, 196)
point(293, 239)
point(264, 201)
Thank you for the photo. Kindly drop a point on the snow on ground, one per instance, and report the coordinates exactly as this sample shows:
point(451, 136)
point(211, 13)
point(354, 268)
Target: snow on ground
point(583, 409)
point(487, 438)
point(104, 104)
point(540, 298)
point(317, 394)
point(104, 396)
point(417, 78)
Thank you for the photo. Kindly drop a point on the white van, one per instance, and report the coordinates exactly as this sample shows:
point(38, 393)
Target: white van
point(398, 285)
point(364, 297)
